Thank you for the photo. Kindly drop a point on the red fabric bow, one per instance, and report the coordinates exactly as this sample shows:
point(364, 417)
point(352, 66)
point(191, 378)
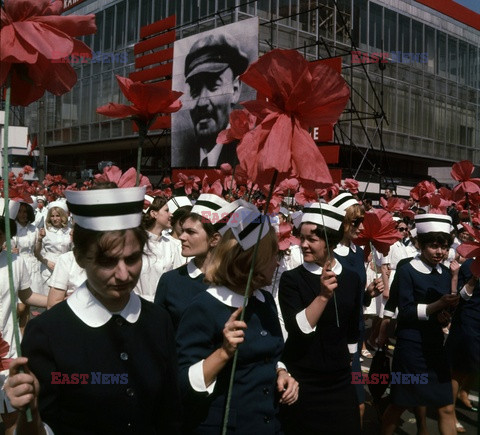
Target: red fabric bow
point(471, 249)
point(127, 179)
point(36, 39)
point(379, 228)
point(285, 237)
point(298, 95)
point(461, 172)
point(148, 100)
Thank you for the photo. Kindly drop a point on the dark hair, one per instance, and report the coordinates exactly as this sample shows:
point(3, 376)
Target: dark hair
point(84, 239)
point(30, 212)
point(180, 213)
point(13, 226)
point(158, 202)
point(206, 224)
point(434, 237)
point(104, 185)
point(334, 237)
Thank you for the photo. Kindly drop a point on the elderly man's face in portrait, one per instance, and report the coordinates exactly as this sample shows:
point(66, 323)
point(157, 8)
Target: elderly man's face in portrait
point(213, 95)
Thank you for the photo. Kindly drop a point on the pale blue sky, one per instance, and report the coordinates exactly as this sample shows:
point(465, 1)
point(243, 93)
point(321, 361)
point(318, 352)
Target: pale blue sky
point(474, 5)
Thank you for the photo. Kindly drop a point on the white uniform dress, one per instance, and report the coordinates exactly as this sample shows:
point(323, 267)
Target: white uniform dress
point(25, 241)
point(157, 260)
point(67, 275)
point(57, 241)
point(21, 281)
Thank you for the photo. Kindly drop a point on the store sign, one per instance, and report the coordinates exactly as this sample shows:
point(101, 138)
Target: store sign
point(69, 4)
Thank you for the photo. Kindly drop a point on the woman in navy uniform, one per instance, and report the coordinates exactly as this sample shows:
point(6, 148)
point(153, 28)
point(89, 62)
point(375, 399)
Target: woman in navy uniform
point(352, 256)
point(424, 286)
point(200, 235)
point(320, 302)
point(104, 358)
point(463, 343)
point(209, 334)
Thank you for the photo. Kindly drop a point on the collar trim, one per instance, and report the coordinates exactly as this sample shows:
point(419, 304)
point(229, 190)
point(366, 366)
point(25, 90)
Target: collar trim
point(317, 269)
point(230, 298)
point(421, 267)
point(192, 270)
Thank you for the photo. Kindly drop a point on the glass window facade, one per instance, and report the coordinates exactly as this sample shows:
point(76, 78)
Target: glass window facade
point(431, 81)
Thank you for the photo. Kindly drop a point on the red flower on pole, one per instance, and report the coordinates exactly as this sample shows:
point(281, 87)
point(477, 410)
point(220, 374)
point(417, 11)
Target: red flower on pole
point(36, 39)
point(298, 95)
point(148, 100)
point(461, 172)
point(188, 182)
point(379, 229)
point(285, 237)
point(351, 185)
point(393, 204)
point(216, 187)
point(241, 122)
point(114, 174)
point(471, 249)
point(422, 192)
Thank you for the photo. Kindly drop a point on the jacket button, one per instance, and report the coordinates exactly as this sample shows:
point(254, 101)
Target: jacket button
point(130, 392)
point(124, 356)
point(119, 321)
point(263, 333)
point(266, 419)
point(266, 391)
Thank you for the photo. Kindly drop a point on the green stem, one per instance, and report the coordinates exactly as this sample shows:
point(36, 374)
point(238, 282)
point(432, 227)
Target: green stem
point(142, 135)
point(8, 236)
point(245, 299)
point(231, 184)
point(372, 249)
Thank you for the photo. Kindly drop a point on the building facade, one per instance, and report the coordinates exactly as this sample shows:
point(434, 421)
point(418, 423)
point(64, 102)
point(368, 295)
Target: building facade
point(414, 74)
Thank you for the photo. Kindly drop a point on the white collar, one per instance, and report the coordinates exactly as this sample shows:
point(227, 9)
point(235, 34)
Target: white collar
point(317, 269)
point(421, 267)
point(155, 238)
point(230, 298)
point(343, 250)
point(91, 311)
point(193, 270)
point(212, 155)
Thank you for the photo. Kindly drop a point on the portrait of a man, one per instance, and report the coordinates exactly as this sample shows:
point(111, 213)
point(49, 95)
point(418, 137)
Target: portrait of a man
point(212, 89)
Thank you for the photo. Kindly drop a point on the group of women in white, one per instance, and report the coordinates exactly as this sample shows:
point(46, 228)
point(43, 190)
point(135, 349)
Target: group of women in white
point(297, 343)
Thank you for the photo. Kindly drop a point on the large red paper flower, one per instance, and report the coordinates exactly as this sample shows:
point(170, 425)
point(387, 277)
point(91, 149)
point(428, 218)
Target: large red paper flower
point(216, 187)
point(285, 237)
point(351, 185)
point(471, 249)
point(298, 95)
point(379, 228)
point(34, 35)
point(461, 172)
point(241, 122)
point(422, 192)
point(393, 204)
point(127, 179)
point(148, 100)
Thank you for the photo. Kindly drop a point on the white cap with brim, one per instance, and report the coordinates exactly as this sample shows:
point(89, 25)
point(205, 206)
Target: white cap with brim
point(433, 223)
point(246, 223)
point(325, 215)
point(344, 200)
point(296, 217)
point(13, 207)
point(207, 204)
point(107, 209)
point(60, 204)
point(225, 213)
point(176, 202)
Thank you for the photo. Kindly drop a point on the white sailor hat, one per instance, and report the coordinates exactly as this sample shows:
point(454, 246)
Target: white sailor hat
point(207, 204)
point(58, 203)
point(13, 207)
point(225, 213)
point(284, 211)
point(433, 223)
point(175, 202)
point(344, 200)
point(325, 215)
point(107, 209)
point(246, 223)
